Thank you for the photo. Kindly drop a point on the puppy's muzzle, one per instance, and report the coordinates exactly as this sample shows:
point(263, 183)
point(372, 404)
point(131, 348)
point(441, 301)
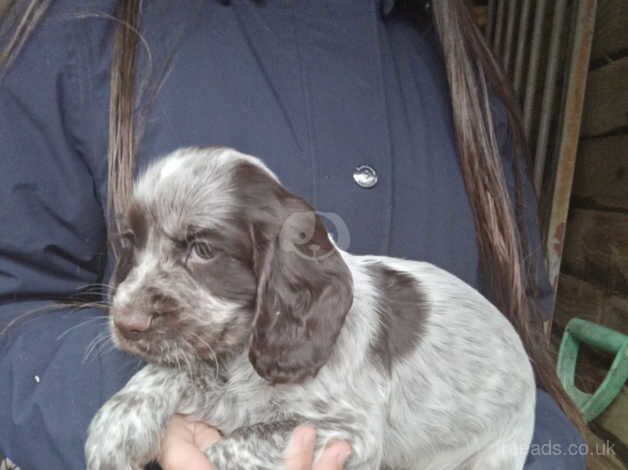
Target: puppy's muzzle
point(132, 324)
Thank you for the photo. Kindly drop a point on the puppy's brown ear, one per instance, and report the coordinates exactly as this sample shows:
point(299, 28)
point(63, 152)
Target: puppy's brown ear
point(304, 287)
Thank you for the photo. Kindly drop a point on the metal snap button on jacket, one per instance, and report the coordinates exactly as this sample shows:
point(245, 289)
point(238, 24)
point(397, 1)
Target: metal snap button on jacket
point(365, 176)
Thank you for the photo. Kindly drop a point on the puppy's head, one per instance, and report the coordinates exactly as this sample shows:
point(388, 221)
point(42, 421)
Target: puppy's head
point(217, 256)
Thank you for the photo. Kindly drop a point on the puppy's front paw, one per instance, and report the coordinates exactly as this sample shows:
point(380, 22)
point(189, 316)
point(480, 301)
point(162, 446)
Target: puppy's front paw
point(122, 436)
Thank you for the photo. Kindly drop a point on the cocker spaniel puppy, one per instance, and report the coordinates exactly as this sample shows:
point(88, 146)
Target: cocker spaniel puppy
point(251, 319)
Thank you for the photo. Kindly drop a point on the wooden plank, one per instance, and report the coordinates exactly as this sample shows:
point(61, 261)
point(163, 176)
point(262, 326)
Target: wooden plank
point(602, 171)
point(569, 133)
point(596, 248)
point(611, 29)
point(577, 298)
point(615, 419)
point(606, 103)
point(521, 41)
point(549, 94)
point(582, 299)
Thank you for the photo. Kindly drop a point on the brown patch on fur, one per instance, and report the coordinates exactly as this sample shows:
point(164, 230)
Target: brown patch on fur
point(402, 309)
point(304, 294)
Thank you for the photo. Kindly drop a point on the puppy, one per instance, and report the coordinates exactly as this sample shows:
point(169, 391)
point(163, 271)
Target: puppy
point(252, 320)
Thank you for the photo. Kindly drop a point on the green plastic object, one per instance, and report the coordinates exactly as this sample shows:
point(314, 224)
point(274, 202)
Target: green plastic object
point(581, 331)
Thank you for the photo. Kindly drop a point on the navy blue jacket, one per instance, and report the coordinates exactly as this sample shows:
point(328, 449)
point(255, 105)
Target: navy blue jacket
point(315, 88)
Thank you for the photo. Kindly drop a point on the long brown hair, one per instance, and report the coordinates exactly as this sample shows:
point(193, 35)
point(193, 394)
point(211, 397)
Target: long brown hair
point(473, 75)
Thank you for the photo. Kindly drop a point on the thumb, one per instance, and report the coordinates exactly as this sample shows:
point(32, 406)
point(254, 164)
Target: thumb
point(334, 456)
point(300, 452)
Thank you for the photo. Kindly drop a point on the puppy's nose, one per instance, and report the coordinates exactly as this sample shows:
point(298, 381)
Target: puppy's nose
point(132, 325)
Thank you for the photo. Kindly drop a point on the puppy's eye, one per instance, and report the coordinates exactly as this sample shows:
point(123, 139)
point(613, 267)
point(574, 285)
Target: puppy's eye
point(202, 250)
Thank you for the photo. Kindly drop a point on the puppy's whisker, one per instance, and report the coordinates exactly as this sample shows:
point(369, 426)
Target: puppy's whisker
point(99, 284)
point(96, 342)
point(77, 306)
point(210, 350)
point(104, 351)
point(93, 344)
point(102, 318)
point(185, 355)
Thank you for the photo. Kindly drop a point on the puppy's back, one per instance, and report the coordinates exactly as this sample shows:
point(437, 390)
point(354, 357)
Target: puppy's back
point(466, 383)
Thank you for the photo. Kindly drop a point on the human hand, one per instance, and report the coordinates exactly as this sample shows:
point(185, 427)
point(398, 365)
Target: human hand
point(183, 444)
point(184, 441)
point(300, 452)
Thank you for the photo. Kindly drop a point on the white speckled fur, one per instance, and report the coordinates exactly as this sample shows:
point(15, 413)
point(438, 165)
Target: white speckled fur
point(464, 398)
